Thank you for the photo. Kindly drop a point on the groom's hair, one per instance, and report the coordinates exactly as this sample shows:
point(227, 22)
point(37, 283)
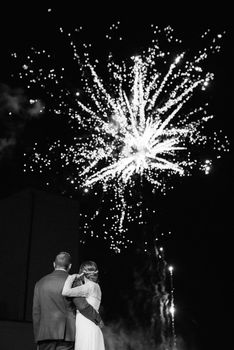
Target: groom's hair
point(62, 260)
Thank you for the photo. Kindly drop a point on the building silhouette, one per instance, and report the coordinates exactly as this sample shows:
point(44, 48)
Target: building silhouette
point(34, 227)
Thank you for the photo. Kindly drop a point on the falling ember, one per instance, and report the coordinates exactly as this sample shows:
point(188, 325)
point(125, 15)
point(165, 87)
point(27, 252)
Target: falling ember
point(206, 166)
point(172, 310)
point(170, 268)
point(137, 126)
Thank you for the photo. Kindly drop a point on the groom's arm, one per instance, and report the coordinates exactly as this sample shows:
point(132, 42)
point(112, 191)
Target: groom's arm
point(87, 310)
point(79, 299)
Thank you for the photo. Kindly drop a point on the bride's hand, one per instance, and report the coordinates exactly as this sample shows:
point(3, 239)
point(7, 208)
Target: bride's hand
point(76, 275)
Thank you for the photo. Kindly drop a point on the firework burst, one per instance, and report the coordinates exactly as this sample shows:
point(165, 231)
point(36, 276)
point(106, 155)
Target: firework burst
point(135, 124)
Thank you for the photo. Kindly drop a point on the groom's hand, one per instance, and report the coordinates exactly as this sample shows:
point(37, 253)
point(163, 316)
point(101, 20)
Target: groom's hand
point(101, 324)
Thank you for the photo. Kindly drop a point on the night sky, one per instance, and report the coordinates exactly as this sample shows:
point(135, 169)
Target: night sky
point(199, 211)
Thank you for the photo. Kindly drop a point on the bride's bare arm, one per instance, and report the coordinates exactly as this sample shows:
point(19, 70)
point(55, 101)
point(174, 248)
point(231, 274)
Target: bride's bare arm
point(80, 301)
point(80, 291)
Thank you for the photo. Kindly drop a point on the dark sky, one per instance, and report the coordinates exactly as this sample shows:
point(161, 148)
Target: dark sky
point(199, 210)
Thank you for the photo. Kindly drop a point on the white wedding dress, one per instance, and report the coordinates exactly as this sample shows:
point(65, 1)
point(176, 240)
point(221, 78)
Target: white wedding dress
point(88, 335)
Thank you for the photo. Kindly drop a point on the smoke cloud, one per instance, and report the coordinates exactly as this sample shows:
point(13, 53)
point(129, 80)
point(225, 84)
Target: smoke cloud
point(16, 110)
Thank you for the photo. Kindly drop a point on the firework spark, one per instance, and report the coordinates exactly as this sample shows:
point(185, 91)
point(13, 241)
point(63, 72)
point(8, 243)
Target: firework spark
point(137, 134)
point(134, 126)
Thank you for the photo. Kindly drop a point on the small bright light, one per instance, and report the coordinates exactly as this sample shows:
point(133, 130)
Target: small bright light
point(170, 268)
point(172, 310)
point(206, 166)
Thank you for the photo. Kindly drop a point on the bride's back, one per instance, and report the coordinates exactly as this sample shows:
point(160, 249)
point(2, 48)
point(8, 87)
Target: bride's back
point(94, 294)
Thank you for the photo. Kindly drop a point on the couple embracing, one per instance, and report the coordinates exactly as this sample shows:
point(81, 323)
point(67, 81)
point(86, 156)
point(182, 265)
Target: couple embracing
point(65, 308)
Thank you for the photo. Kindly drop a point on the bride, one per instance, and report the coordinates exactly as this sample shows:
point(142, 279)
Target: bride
point(88, 335)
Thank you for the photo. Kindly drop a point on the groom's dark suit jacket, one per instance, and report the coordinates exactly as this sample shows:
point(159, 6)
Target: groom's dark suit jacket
point(53, 315)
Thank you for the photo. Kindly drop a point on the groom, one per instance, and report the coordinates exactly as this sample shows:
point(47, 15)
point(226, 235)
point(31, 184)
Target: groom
point(53, 314)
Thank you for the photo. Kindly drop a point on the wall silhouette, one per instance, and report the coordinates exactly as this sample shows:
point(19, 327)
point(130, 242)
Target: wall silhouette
point(34, 227)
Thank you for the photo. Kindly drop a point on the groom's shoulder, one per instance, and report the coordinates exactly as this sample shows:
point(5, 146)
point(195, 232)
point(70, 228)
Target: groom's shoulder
point(46, 277)
point(52, 276)
point(43, 278)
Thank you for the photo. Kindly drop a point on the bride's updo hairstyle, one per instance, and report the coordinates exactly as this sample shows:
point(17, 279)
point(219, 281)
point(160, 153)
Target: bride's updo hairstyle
point(90, 270)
